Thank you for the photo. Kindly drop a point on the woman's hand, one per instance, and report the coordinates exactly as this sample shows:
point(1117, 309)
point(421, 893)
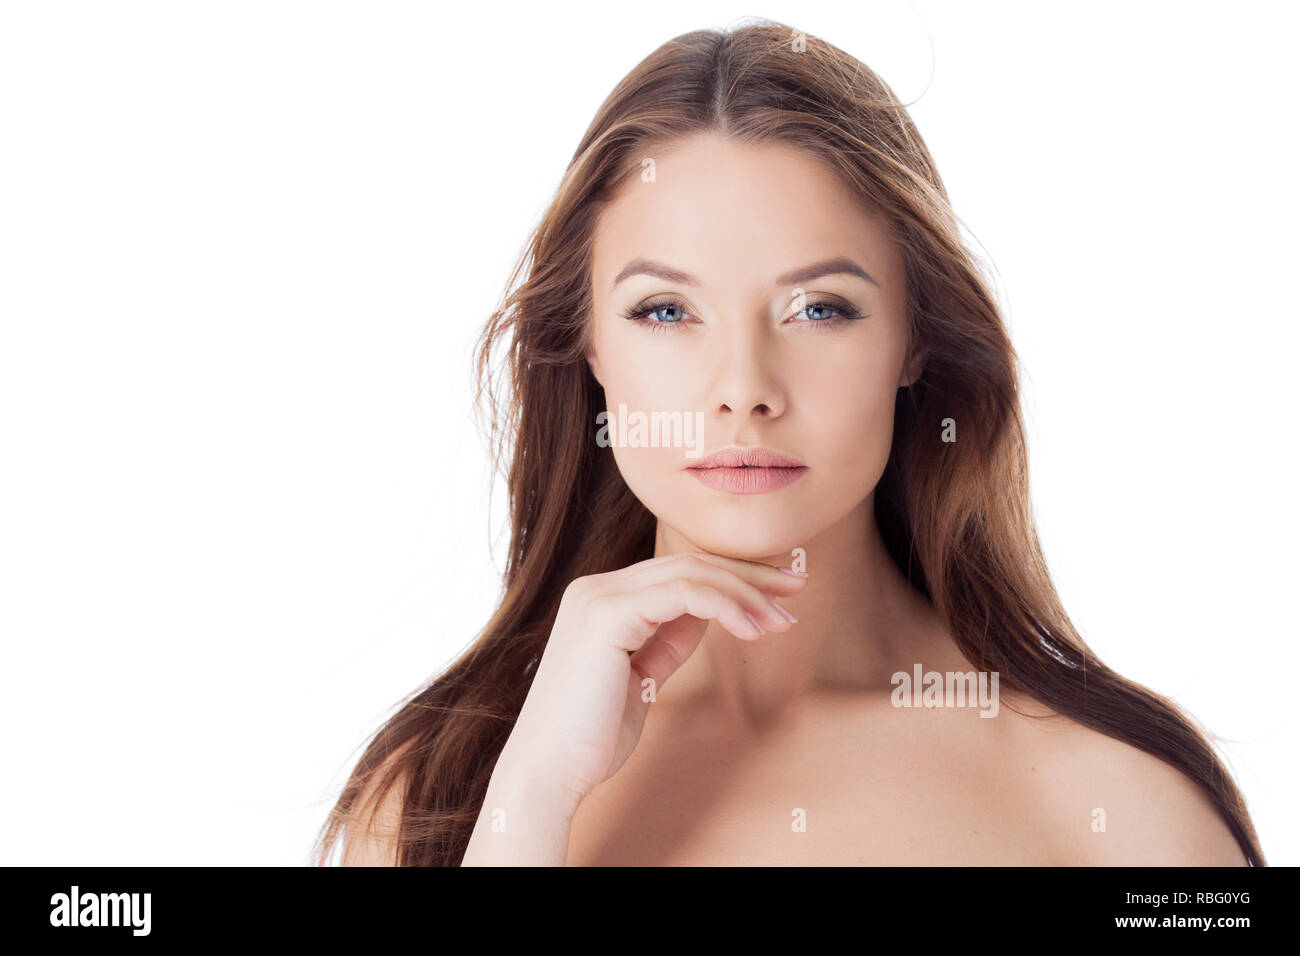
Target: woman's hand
point(587, 704)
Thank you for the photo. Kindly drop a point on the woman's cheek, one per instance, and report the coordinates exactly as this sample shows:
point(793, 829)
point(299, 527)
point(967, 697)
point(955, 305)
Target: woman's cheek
point(657, 475)
point(649, 473)
point(855, 430)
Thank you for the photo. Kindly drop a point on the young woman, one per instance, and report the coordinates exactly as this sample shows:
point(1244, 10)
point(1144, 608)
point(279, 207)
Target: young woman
point(745, 642)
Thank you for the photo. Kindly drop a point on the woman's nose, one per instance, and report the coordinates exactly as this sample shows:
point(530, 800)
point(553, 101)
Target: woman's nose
point(746, 382)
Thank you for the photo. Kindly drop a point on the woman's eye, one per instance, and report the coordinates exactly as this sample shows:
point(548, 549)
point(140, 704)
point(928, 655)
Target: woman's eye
point(658, 316)
point(821, 307)
point(827, 314)
point(670, 313)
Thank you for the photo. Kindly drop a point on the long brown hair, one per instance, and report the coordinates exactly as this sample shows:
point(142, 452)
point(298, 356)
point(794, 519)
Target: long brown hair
point(955, 516)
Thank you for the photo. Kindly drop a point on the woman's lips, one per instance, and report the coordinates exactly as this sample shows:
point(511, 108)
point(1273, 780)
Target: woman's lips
point(747, 471)
point(747, 481)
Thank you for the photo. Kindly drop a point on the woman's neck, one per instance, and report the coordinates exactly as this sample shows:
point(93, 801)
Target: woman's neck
point(859, 622)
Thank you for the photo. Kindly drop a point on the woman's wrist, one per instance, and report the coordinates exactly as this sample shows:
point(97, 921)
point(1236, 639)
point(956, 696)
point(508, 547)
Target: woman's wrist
point(524, 821)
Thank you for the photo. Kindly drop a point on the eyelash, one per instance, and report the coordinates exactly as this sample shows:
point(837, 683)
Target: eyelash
point(638, 313)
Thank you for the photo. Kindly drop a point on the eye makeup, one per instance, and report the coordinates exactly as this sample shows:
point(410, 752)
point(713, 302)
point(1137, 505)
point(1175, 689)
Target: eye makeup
point(641, 312)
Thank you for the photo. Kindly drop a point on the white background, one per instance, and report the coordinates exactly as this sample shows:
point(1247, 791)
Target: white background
point(245, 248)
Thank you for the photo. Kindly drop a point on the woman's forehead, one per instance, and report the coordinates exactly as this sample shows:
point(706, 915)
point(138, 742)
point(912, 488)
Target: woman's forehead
point(715, 206)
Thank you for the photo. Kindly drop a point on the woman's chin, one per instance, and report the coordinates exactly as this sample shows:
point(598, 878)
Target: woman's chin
point(742, 539)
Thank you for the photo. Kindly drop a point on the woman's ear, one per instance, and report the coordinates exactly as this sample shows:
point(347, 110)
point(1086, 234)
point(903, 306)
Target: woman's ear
point(912, 368)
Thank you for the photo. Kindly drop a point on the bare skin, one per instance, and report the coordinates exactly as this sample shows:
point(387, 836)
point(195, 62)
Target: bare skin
point(876, 784)
point(750, 733)
point(934, 787)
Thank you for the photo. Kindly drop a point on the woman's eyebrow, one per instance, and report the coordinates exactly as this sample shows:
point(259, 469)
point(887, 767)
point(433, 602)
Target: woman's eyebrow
point(840, 265)
point(648, 267)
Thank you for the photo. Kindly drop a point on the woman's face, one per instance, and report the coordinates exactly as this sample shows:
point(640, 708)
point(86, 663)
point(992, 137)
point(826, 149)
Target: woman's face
point(714, 251)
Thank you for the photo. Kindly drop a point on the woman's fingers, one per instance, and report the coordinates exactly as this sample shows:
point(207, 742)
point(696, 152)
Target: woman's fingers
point(638, 614)
point(661, 656)
point(760, 574)
point(756, 572)
point(754, 585)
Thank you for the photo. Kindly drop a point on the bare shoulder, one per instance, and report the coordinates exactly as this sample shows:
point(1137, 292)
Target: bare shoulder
point(372, 839)
point(1109, 803)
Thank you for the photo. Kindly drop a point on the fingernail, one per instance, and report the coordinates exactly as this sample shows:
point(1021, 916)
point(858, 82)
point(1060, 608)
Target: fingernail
point(761, 628)
point(793, 573)
point(788, 616)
